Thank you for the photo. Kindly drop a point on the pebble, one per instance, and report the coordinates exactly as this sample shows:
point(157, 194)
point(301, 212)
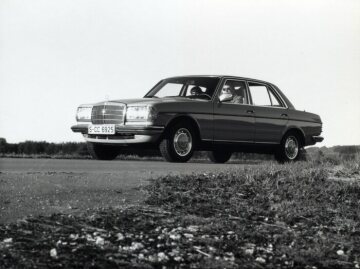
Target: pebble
point(8, 240)
point(120, 236)
point(53, 253)
point(162, 256)
point(175, 236)
point(74, 236)
point(260, 260)
point(188, 235)
point(136, 246)
point(193, 228)
point(99, 241)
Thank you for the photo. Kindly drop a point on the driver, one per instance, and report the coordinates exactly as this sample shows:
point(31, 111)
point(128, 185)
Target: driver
point(236, 92)
point(196, 90)
point(228, 89)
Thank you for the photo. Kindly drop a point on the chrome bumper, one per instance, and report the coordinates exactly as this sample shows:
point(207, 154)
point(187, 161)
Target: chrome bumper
point(123, 134)
point(317, 139)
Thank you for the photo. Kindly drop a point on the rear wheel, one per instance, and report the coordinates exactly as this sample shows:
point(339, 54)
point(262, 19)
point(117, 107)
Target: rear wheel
point(102, 152)
point(290, 148)
point(218, 156)
point(179, 144)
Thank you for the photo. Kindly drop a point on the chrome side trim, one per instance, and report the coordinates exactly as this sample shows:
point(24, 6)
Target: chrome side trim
point(240, 141)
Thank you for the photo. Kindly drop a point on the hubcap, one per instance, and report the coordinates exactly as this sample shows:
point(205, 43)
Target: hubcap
point(291, 147)
point(182, 142)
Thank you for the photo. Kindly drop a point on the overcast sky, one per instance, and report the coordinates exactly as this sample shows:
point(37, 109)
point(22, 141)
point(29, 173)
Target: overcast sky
point(55, 55)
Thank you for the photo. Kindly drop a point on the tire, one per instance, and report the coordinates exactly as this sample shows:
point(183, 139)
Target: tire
point(102, 152)
point(217, 156)
point(178, 145)
point(290, 149)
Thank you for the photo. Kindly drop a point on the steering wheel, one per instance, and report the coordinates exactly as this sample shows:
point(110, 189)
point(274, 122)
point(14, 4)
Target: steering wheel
point(205, 94)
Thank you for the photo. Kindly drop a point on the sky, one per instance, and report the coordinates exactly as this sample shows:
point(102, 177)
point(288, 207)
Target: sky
point(55, 55)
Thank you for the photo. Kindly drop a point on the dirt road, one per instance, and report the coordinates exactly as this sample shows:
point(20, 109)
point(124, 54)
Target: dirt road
point(44, 186)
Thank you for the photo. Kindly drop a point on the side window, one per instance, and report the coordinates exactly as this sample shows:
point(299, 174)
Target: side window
point(274, 100)
point(262, 96)
point(238, 90)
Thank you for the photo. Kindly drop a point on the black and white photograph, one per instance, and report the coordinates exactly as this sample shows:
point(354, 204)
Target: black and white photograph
point(180, 134)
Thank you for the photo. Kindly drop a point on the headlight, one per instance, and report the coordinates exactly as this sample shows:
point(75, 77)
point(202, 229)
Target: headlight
point(84, 113)
point(140, 113)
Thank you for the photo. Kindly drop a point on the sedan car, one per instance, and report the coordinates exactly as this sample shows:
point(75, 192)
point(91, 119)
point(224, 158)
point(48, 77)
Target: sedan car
point(218, 114)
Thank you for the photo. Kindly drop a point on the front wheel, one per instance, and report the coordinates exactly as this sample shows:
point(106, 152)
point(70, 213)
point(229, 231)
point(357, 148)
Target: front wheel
point(289, 149)
point(217, 156)
point(179, 144)
point(102, 152)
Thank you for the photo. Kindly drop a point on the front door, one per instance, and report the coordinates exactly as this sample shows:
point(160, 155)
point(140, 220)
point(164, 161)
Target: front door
point(234, 119)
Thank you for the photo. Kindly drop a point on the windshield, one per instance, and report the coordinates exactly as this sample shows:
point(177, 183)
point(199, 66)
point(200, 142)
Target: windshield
point(188, 87)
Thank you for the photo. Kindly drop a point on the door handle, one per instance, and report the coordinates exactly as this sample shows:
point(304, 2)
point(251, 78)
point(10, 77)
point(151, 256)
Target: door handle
point(284, 115)
point(250, 111)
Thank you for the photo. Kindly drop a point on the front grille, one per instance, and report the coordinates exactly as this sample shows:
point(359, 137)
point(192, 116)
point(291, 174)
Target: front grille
point(108, 113)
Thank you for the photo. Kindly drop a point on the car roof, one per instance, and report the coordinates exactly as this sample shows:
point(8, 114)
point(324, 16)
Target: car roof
point(221, 76)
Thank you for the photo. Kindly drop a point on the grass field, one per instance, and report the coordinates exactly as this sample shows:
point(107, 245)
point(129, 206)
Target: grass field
point(302, 215)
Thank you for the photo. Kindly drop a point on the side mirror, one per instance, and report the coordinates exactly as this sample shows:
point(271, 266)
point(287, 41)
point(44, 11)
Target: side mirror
point(224, 97)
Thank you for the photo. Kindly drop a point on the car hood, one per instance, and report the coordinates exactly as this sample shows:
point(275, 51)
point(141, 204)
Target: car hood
point(152, 101)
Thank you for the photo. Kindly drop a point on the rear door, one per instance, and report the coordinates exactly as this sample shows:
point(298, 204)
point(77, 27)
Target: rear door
point(234, 120)
point(271, 116)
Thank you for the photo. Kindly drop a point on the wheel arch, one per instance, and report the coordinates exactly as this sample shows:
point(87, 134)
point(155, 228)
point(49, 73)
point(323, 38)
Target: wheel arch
point(182, 118)
point(297, 131)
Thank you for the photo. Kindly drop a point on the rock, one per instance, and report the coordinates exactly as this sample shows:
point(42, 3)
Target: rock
point(136, 246)
point(99, 241)
point(188, 235)
point(260, 260)
point(175, 236)
point(178, 259)
point(53, 253)
point(120, 237)
point(193, 228)
point(74, 236)
point(162, 256)
point(8, 240)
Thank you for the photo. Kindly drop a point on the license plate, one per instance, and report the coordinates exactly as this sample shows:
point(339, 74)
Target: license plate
point(108, 129)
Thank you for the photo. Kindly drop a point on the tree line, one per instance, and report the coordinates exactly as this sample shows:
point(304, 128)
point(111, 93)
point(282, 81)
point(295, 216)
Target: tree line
point(80, 149)
point(43, 147)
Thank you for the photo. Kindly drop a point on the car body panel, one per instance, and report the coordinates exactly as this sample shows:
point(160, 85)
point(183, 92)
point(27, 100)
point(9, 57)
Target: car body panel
point(270, 124)
point(233, 123)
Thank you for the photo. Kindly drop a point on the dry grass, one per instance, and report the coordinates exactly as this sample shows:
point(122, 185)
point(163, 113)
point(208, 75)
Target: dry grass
point(264, 216)
point(305, 217)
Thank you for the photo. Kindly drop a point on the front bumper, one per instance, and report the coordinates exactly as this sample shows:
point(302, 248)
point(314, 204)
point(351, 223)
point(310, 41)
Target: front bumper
point(124, 134)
